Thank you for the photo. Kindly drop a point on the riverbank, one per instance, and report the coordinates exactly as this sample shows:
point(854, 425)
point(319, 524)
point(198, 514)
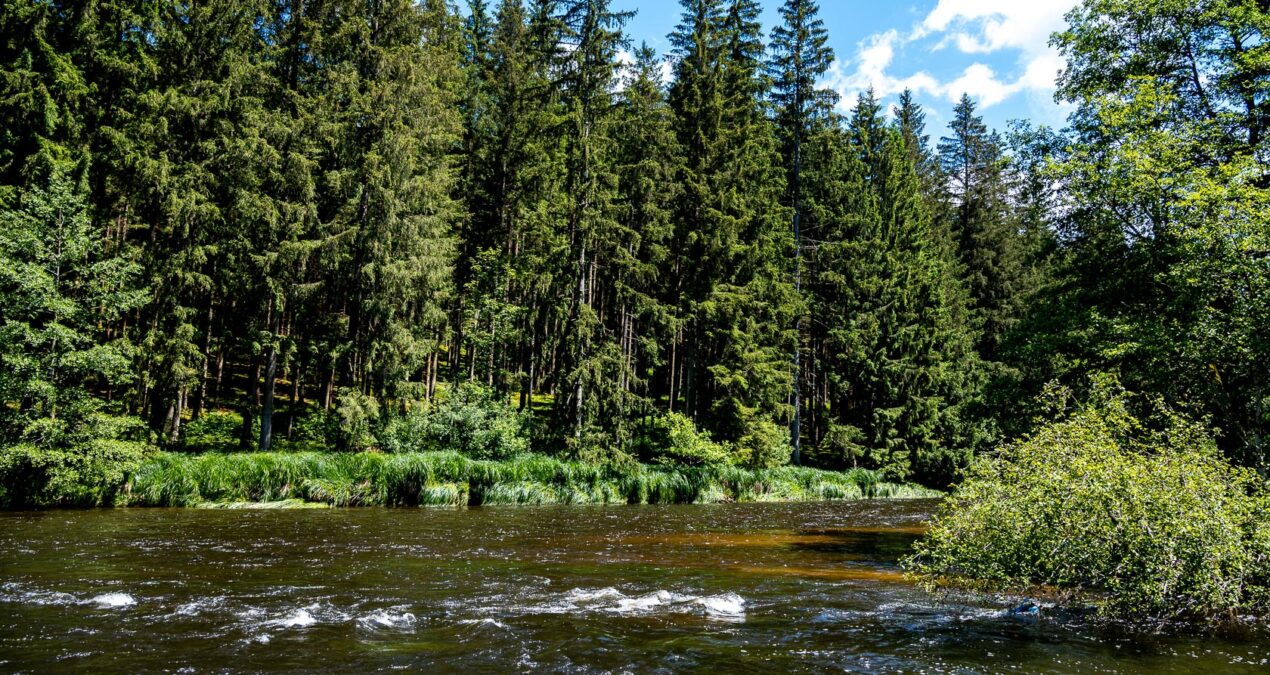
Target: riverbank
point(290, 480)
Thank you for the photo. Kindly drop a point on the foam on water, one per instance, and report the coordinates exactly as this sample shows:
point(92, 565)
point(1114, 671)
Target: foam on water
point(200, 606)
point(382, 619)
point(114, 600)
point(309, 615)
point(581, 595)
point(722, 607)
point(728, 606)
point(300, 618)
point(484, 622)
point(648, 602)
point(15, 592)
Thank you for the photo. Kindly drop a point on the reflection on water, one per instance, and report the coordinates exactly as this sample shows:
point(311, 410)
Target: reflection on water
point(754, 587)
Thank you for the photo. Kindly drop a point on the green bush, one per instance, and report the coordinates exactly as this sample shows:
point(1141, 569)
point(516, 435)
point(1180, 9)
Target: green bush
point(765, 445)
point(217, 431)
point(470, 419)
point(89, 473)
point(357, 415)
point(1143, 519)
point(673, 439)
point(315, 426)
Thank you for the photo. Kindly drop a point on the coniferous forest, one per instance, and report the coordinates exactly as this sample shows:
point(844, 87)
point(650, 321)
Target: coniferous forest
point(504, 227)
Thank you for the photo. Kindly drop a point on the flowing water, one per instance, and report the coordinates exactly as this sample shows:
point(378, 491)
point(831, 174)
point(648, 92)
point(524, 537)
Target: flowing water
point(735, 587)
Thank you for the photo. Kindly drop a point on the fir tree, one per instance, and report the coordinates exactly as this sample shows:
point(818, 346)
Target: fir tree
point(736, 300)
point(987, 234)
point(800, 57)
point(647, 166)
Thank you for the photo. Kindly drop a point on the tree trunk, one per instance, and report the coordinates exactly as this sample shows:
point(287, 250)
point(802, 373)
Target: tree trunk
point(274, 317)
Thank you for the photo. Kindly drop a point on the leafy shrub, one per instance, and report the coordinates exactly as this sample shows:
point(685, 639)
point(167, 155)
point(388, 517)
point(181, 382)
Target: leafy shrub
point(765, 445)
point(357, 415)
point(217, 431)
point(314, 429)
point(88, 473)
point(674, 439)
point(471, 420)
point(1147, 521)
point(842, 446)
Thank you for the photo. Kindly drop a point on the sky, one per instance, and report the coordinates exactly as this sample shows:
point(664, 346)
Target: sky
point(995, 50)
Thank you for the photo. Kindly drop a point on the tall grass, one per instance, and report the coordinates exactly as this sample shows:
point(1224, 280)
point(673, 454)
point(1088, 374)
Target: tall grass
point(451, 479)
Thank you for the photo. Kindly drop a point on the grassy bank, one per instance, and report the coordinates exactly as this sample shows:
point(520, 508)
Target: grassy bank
point(451, 479)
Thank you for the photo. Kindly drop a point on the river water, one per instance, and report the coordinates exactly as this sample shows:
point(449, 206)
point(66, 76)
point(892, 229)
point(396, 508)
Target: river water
point(734, 587)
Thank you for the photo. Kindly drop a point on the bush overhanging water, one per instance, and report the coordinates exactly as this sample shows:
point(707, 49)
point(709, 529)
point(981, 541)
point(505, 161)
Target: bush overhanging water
point(1143, 519)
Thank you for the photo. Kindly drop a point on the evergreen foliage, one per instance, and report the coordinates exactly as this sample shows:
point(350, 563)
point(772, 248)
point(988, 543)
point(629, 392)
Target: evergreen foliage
point(60, 442)
point(800, 57)
point(348, 225)
point(893, 341)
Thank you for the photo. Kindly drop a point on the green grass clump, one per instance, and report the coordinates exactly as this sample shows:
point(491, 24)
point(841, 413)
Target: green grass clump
point(452, 479)
point(443, 494)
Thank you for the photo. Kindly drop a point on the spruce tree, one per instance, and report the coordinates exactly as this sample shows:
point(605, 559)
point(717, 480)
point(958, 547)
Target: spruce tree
point(508, 316)
point(647, 166)
point(987, 234)
point(892, 333)
point(730, 370)
point(589, 377)
point(62, 438)
point(391, 79)
point(198, 187)
point(59, 289)
point(800, 57)
point(910, 120)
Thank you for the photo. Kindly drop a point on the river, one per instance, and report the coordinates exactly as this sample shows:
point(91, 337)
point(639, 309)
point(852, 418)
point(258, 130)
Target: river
point(726, 588)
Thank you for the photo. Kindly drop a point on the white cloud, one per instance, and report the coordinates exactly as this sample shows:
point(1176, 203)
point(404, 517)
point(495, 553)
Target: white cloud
point(983, 85)
point(986, 26)
point(973, 27)
point(871, 63)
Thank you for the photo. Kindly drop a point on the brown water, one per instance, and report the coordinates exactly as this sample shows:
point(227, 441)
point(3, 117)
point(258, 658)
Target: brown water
point(740, 587)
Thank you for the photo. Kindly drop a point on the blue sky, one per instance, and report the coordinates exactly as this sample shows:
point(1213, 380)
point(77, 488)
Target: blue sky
point(995, 50)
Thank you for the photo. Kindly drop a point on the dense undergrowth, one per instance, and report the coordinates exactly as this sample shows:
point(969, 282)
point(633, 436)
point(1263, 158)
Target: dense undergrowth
point(451, 479)
point(468, 447)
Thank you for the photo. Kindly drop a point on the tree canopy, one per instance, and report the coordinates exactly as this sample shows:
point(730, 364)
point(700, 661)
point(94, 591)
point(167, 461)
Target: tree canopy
point(321, 218)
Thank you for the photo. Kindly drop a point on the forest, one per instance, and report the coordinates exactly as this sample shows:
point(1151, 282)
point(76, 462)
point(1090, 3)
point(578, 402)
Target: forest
point(398, 225)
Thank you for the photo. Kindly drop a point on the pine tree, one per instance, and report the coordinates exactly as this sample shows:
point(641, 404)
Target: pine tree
point(736, 302)
point(986, 231)
point(800, 57)
point(892, 328)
